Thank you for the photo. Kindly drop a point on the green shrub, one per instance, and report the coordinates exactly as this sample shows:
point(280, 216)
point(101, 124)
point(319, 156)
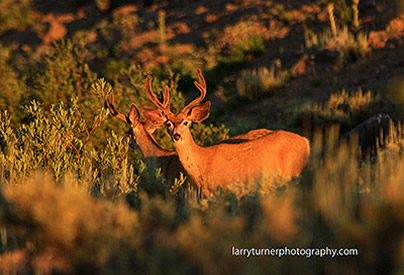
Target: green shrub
point(261, 81)
point(113, 68)
point(55, 141)
point(243, 41)
point(63, 73)
point(13, 89)
point(15, 15)
point(252, 46)
point(209, 135)
point(342, 108)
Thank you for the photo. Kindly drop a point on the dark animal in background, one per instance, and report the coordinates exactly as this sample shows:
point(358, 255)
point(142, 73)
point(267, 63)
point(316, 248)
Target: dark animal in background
point(372, 133)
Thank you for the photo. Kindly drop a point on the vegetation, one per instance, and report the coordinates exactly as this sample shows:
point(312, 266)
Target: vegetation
point(256, 83)
point(15, 15)
point(342, 107)
point(84, 209)
point(349, 47)
point(71, 186)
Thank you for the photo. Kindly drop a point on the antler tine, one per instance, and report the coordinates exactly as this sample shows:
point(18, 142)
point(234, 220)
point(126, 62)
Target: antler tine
point(109, 103)
point(201, 78)
point(166, 97)
point(201, 85)
point(153, 97)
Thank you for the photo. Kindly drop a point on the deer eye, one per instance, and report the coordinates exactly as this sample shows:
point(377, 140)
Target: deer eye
point(168, 124)
point(185, 123)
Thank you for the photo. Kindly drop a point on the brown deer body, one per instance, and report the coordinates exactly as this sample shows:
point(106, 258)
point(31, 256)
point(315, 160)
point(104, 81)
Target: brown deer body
point(274, 153)
point(224, 164)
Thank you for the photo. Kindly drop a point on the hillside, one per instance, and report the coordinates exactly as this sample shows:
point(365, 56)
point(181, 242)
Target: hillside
point(229, 41)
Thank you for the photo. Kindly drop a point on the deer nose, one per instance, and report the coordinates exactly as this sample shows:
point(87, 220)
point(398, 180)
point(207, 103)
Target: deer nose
point(176, 137)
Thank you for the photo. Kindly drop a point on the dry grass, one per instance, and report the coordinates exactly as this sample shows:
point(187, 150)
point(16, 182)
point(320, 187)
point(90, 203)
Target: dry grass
point(349, 46)
point(342, 106)
point(260, 82)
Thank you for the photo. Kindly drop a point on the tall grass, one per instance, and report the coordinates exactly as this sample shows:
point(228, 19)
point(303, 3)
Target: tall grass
point(342, 107)
point(260, 81)
point(350, 45)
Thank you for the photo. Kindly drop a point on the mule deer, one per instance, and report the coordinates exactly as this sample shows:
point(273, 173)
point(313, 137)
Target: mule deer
point(141, 137)
point(141, 133)
point(274, 153)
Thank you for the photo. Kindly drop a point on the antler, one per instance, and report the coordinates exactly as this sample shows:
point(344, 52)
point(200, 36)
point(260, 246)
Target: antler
point(110, 105)
point(201, 85)
point(161, 106)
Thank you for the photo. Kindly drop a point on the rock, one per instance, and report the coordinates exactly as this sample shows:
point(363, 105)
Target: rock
point(302, 67)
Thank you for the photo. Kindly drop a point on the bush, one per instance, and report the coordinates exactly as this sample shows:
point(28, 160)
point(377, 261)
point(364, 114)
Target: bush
point(342, 108)
point(13, 89)
point(259, 82)
point(64, 223)
point(351, 45)
point(253, 45)
point(15, 15)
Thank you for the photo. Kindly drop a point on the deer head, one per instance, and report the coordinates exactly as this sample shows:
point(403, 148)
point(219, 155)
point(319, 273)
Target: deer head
point(178, 124)
point(154, 119)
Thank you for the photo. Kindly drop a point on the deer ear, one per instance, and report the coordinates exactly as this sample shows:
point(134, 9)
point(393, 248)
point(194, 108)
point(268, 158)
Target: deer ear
point(134, 116)
point(153, 116)
point(200, 113)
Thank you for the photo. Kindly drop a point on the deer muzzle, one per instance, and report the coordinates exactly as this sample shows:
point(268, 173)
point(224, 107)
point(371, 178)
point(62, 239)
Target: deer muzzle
point(176, 137)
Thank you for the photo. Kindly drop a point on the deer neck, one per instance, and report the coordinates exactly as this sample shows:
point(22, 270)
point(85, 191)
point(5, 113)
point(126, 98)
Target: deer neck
point(148, 144)
point(192, 156)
